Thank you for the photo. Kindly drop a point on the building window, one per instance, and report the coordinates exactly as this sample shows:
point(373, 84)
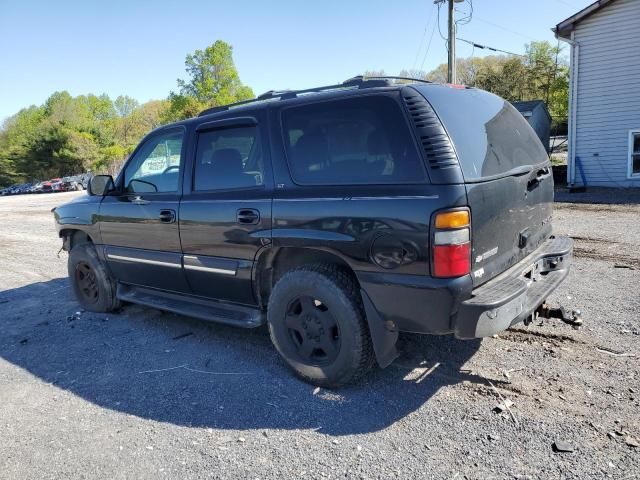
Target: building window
point(634, 153)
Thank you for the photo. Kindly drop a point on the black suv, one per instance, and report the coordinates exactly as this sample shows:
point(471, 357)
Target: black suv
point(338, 215)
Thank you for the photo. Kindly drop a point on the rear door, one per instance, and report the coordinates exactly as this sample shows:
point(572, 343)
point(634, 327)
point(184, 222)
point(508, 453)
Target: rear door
point(139, 224)
point(507, 175)
point(225, 213)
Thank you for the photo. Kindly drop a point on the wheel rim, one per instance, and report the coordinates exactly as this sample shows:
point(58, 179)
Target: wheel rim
point(86, 281)
point(313, 331)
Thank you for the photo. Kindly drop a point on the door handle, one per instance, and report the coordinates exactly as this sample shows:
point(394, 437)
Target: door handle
point(167, 216)
point(138, 200)
point(248, 216)
point(542, 173)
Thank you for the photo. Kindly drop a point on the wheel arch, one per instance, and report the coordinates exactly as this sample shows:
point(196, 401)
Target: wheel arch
point(72, 237)
point(273, 263)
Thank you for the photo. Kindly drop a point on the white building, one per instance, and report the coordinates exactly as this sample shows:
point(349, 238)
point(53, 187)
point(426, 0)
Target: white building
point(604, 94)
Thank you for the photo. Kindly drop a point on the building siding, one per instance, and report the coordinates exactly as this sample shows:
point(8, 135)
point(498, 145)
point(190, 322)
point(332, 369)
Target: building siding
point(608, 92)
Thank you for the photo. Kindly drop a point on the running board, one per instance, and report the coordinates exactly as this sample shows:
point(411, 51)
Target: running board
point(211, 310)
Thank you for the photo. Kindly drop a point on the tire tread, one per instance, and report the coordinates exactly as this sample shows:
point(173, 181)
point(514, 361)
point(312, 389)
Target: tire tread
point(363, 347)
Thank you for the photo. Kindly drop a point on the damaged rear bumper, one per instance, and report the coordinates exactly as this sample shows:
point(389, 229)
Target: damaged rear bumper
point(515, 295)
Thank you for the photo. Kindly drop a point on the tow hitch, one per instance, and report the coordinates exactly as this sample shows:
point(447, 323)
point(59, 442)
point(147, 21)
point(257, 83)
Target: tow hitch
point(572, 317)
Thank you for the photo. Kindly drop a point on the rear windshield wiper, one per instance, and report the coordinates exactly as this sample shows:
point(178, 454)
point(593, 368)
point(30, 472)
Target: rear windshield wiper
point(514, 172)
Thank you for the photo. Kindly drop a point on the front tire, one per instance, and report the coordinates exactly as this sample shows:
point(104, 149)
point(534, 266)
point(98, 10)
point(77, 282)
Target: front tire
point(92, 283)
point(317, 324)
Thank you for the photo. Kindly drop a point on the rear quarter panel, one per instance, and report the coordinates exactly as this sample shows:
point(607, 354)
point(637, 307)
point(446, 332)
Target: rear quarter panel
point(363, 224)
point(356, 222)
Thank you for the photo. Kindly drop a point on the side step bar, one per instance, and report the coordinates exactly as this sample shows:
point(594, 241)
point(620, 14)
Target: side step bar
point(227, 313)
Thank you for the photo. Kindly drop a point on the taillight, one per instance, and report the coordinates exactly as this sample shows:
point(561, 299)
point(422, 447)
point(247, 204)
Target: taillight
point(451, 250)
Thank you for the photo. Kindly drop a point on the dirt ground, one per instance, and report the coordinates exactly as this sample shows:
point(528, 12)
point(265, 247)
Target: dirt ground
point(142, 394)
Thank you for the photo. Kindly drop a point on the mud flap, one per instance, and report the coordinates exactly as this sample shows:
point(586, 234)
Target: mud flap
point(384, 335)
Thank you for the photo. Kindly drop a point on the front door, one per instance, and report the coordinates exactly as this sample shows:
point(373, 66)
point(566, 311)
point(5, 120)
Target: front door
point(139, 223)
point(225, 213)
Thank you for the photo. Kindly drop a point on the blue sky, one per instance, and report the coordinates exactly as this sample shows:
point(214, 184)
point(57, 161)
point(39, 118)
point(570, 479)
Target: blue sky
point(137, 48)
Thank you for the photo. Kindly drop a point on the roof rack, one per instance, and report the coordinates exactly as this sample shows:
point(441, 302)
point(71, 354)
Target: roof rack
point(359, 81)
point(390, 77)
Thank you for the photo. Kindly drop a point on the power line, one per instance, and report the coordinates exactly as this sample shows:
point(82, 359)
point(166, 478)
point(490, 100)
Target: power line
point(415, 62)
point(504, 28)
point(468, 16)
point(440, 31)
point(424, 35)
point(424, 58)
point(486, 47)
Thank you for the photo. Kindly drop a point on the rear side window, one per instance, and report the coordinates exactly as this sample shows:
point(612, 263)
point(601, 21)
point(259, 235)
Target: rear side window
point(228, 158)
point(362, 140)
point(490, 136)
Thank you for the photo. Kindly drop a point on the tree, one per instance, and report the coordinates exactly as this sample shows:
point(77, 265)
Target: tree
point(19, 133)
point(128, 116)
point(212, 80)
point(413, 73)
point(67, 135)
point(374, 73)
point(541, 74)
point(125, 105)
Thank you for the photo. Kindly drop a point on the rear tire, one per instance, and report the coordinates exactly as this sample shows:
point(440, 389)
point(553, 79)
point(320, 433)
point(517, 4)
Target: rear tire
point(317, 324)
point(92, 284)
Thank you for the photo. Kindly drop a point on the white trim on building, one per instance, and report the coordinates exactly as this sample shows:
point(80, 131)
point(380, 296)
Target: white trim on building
point(604, 99)
point(634, 151)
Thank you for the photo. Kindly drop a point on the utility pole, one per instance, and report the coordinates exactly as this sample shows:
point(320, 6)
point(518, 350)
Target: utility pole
point(451, 70)
point(451, 40)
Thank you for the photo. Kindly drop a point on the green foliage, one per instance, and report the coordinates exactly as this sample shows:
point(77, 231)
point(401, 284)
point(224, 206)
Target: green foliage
point(69, 135)
point(181, 107)
point(542, 74)
point(212, 80)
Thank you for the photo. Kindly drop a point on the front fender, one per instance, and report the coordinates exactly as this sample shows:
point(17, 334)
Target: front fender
point(80, 214)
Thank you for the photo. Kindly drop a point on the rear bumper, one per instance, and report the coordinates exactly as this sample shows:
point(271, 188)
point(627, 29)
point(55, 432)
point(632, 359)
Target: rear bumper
point(422, 304)
point(514, 295)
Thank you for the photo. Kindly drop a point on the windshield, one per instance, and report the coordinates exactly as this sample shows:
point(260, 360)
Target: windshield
point(490, 136)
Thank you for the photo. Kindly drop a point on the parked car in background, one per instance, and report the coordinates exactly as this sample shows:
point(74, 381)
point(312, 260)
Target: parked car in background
point(85, 178)
point(36, 188)
point(56, 184)
point(70, 184)
point(65, 184)
point(47, 187)
point(24, 188)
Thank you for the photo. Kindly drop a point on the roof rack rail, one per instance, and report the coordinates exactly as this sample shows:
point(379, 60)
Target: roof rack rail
point(387, 77)
point(357, 81)
point(222, 108)
point(272, 94)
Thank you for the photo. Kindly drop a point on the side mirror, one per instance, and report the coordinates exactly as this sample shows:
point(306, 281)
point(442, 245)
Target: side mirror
point(100, 185)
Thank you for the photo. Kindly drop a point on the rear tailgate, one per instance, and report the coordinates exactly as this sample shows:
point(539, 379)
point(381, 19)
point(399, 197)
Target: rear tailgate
point(507, 176)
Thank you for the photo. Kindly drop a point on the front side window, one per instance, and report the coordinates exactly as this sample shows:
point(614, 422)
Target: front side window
point(155, 167)
point(634, 153)
point(228, 158)
point(362, 140)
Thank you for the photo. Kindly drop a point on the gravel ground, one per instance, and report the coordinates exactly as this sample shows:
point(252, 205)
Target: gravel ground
point(143, 394)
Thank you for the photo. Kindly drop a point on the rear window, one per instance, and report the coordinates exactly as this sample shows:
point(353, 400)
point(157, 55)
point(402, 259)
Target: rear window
point(362, 140)
point(490, 136)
